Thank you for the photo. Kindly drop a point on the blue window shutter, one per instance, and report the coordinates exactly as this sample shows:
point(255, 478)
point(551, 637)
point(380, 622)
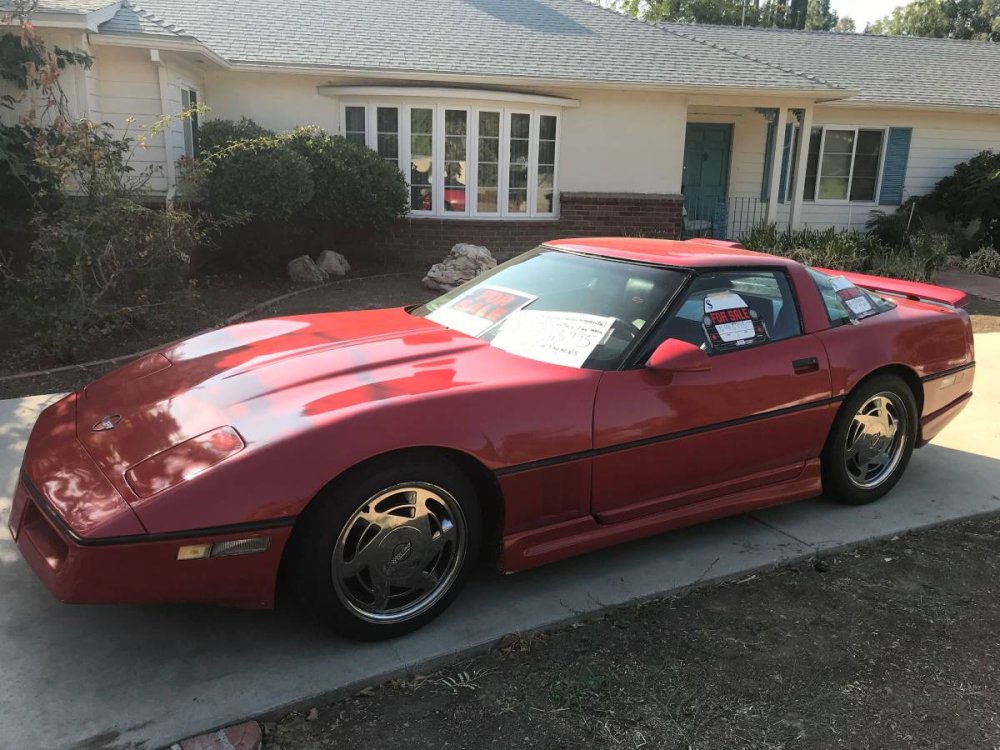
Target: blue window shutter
point(897, 153)
point(786, 151)
point(765, 184)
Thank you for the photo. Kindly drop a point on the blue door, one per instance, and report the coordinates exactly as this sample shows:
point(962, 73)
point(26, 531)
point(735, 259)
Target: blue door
point(706, 175)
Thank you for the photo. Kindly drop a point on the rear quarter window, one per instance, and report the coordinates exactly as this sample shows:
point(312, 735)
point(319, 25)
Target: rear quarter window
point(836, 309)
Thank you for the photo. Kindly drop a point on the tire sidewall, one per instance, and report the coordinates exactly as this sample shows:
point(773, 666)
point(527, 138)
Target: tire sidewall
point(836, 482)
point(333, 508)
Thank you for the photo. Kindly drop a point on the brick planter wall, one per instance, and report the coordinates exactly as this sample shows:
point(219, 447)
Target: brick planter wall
point(416, 242)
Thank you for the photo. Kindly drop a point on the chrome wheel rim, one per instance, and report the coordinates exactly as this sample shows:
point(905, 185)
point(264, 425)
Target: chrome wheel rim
point(399, 553)
point(875, 440)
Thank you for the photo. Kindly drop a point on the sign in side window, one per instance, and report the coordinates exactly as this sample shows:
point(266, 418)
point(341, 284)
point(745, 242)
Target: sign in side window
point(481, 308)
point(853, 298)
point(730, 323)
point(560, 338)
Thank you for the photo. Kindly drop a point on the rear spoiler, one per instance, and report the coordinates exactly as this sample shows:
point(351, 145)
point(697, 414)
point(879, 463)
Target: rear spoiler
point(914, 290)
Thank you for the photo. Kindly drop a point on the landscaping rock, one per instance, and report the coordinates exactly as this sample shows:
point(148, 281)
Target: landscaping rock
point(246, 736)
point(462, 264)
point(333, 263)
point(303, 270)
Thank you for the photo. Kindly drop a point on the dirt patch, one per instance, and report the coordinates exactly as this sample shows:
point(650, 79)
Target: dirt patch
point(207, 306)
point(891, 646)
point(985, 314)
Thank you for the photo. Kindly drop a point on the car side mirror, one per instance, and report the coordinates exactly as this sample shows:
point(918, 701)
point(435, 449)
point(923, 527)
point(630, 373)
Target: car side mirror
point(674, 355)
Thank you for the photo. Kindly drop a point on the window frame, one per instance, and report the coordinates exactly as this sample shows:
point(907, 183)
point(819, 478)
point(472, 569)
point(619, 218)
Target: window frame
point(472, 109)
point(190, 126)
point(854, 155)
point(643, 351)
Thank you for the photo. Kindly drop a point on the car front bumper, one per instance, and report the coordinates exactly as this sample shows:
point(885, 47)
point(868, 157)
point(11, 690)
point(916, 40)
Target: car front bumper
point(142, 569)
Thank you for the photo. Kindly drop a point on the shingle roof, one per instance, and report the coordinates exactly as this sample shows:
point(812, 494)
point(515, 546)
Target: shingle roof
point(559, 40)
point(885, 69)
point(130, 20)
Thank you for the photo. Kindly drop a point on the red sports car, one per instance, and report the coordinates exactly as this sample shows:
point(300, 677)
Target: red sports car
point(588, 392)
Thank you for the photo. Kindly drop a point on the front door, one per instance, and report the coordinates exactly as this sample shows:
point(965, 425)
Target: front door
point(706, 174)
point(664, 440)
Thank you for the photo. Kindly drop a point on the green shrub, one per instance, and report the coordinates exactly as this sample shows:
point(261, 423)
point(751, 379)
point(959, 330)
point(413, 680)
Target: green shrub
point(263, 178)
point(986, 260)
point(215, 135)
point(289, 191)
point(853, 251)
point(970, 196)
point(355, 187)
point(102, 258)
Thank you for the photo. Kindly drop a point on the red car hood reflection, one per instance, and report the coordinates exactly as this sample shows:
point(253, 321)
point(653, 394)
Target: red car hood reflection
point(267, 379)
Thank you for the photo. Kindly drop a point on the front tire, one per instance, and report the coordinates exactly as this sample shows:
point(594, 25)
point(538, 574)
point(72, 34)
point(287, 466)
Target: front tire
point(387, 549)
point(871, 441)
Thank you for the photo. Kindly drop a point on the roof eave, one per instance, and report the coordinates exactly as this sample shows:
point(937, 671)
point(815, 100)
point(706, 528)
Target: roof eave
point(914, 106)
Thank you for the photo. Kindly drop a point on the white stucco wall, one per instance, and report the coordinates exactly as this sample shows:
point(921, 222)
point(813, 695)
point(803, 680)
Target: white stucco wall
point(613, 142)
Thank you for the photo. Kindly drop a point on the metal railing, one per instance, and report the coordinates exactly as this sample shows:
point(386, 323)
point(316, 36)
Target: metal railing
point(722, 219)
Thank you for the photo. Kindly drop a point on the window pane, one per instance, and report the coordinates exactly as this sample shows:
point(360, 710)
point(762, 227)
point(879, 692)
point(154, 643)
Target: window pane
point(832, 188)
point(520, 126)
point(545, 195)
point(489, 124)
point(836, 165)
point(866, 163)
point(354, 124)
point(387, 124)
point(839, 142)
point(812, 164)
point(455, 159)
point(421, 159)
point(547, 127)
point(517, 194)
point(488, 178)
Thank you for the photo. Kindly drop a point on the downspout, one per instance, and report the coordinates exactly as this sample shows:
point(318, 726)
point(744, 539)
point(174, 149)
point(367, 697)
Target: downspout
point(167, 132)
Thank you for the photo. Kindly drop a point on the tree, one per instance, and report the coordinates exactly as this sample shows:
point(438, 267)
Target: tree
point(953, 19)
point(820, 17)
point(782, 14)
point(845, 25)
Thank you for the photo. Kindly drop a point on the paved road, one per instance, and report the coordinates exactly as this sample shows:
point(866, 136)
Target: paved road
point(113, 677)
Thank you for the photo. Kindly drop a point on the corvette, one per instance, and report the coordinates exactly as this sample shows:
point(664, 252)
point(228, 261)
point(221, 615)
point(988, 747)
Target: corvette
point(586, 393)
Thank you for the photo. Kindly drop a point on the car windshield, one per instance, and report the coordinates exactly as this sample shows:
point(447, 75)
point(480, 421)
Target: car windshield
point(845, 302)
point(559, 307)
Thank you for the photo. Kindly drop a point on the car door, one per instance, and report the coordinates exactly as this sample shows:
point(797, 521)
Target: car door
point(762, 410)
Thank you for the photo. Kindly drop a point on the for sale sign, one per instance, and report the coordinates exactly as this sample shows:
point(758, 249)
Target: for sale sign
point(729, 322)
point(481, 308)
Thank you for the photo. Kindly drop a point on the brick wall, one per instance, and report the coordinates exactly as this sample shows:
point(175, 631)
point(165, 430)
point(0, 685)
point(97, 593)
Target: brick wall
point(420, 242)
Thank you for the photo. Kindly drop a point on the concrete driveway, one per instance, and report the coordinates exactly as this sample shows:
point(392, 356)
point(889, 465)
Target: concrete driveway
point(114, 677)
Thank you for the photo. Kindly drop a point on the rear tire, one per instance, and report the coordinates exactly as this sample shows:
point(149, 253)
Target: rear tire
point(387, 549)
point(871, 441)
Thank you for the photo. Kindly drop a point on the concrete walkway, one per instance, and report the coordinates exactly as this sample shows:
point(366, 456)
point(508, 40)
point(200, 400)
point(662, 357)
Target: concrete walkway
point(116, 677)
point(975, 284)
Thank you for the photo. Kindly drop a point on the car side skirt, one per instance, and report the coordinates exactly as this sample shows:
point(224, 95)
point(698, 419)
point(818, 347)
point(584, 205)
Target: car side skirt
point(560, 540)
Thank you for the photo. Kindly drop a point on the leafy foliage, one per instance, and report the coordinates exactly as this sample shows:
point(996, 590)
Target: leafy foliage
point(291, 189)
point(986, 260)
point(954, 19)
point(215, 135)
point(970, 196)
point(95, 257)
point(782, 14)
point(853, 251)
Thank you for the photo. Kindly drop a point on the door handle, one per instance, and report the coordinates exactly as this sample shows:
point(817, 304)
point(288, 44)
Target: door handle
point(805, 365)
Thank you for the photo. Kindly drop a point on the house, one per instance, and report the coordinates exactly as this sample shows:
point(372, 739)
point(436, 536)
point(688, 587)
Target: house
point(515, 121)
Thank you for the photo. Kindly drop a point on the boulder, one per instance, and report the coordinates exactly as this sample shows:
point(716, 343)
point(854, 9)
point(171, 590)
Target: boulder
point(303, 270)
point(333, 263)
point(462, 264)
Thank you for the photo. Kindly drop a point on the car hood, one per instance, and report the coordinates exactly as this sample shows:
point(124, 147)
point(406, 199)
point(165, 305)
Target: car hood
point(265, 378)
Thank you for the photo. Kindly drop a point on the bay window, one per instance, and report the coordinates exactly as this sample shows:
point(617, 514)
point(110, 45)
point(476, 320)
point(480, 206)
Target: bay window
point(460, 160)
point(844, 164)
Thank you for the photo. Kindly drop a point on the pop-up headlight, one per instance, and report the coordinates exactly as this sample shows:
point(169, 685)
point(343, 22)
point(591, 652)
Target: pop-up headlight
point(183, 461)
